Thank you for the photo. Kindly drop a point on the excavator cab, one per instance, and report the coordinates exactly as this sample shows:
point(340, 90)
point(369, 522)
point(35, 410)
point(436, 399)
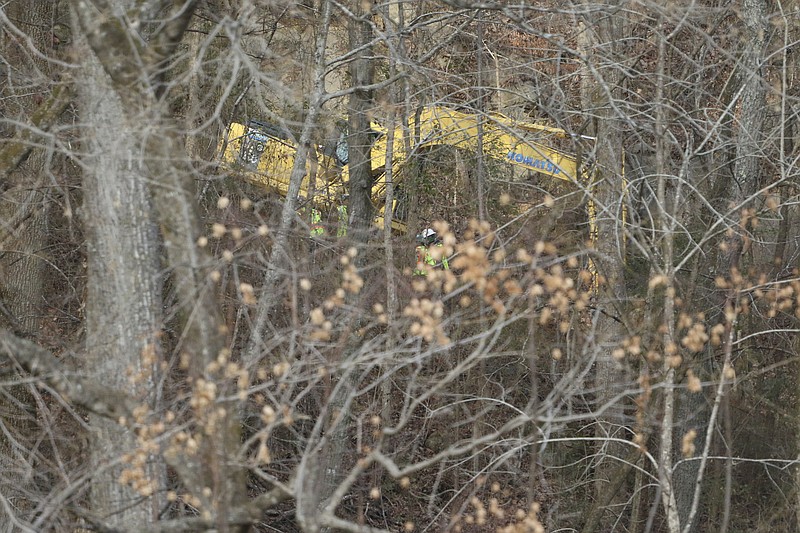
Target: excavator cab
point(263, 154)
point(255, 141)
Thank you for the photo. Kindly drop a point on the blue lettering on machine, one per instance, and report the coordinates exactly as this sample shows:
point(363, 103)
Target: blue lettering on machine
point(541, 164)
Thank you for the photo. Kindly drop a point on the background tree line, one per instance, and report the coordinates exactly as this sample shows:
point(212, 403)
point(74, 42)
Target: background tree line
point(179, 355)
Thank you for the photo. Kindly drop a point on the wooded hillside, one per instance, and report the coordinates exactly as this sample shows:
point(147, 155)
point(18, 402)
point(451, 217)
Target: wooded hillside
point(190, 342)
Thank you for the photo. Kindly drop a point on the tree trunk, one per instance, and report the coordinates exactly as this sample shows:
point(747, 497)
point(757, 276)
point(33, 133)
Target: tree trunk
point(143, 150)
point(124, 299)
point(746, 173)
point(23, 241)
point(599, 92)
point(336, 450)
point(271, 291)
point(360, 106)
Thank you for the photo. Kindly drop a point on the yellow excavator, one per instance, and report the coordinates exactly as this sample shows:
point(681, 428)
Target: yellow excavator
point(263, 154)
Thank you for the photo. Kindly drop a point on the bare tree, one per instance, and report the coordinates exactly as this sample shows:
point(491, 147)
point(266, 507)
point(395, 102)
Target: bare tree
point(601, 94)
point(226, 371)
point(360, 106)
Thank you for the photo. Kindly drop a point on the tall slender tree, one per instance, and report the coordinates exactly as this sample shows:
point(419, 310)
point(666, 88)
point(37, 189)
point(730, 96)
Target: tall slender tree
point(601, 87)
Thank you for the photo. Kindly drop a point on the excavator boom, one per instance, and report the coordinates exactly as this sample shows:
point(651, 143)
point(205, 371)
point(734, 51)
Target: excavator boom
point(503, 139)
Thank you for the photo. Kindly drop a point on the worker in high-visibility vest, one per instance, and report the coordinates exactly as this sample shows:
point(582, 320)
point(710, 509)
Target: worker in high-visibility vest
point(317, 230)
point(341, 229)
point(426, 261)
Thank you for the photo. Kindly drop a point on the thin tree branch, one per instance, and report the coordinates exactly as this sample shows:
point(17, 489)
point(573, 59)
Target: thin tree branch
point(95, 397)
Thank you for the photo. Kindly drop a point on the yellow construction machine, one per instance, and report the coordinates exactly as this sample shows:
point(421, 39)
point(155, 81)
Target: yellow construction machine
point(263, 154)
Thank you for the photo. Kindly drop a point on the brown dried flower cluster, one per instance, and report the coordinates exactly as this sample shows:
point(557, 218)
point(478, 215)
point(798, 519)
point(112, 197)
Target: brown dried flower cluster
point(136, 473)
point(426, 318)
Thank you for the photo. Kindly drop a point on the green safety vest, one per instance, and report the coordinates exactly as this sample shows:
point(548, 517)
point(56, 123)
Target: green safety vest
point(424, 258)
point(341, 231)
point(316, 223)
